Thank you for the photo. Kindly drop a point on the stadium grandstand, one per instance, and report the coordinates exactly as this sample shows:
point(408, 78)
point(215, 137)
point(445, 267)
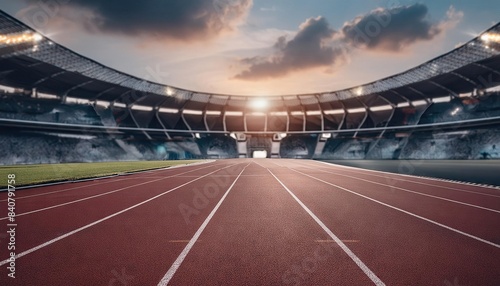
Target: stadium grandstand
point(59, 106)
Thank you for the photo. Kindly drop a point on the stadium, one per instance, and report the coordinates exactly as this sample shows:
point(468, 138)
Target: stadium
point(262, 205)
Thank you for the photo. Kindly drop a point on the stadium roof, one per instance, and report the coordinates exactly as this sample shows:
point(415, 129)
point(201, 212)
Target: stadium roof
point(29, 60)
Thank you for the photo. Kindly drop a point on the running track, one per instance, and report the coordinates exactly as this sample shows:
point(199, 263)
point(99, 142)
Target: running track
point(256, 222)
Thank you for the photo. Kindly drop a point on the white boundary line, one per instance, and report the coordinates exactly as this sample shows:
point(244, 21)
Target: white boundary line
point(177, 263)
point(100, 195)
point(410, 191)
point(496, 188)
point(339, 242)
point(24, 253)
point(403, 211)
point(395, 177)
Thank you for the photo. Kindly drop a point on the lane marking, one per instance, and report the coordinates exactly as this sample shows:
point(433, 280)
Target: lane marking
point(181, 241)
point(359, 171)
point(119, 179)
point(99, 195)
point(403, 211)
point(339, 242)
point(495, 188)
point(177, 263)
point(330, 241)
point(24, 253)
point(410, 191)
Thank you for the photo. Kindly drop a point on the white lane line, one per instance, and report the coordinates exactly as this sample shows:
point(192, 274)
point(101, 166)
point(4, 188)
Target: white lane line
point(410, 191)
point(394, 177)
point(24, 253)
point(495, 188)
point(119, 179)
point(177, 263)
point(339, 242)
point(403, 211)
point(99, 195)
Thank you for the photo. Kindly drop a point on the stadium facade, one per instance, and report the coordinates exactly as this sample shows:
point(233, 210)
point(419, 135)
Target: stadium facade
point(59, 106)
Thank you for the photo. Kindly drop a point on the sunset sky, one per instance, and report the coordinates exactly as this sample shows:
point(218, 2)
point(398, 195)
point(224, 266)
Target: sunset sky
point(259, 47)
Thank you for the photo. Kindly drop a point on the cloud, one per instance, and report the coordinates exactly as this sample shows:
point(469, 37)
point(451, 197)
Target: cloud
point(184, 20)
point(308, 49)
point(397, 28)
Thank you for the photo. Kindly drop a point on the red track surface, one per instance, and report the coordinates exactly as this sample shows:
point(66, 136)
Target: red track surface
point(256, 222)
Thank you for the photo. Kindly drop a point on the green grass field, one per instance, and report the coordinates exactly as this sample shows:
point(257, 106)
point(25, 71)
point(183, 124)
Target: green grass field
point(37, 174)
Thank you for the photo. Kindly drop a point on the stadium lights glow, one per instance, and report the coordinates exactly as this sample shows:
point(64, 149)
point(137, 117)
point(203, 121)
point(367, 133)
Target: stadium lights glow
point(20, 38)
point(142, 108)
point(279, 113)
point(441, 99)
point(282, 135)
point(75, 100)
point(490, 37)
point(234, 113)
point(259, 103)
point(419, 102)
point(313, 112)
point(168, 110)
point(197, 135)
point(213, 112)
point(356, 110)
point(46, 95)
point(381, 108)
point(334, 111)
point(326, 135)
point(169, 91)
point(119, 105)
point(257, 114)
point(454, 112)
point(192, 112)
point(105, 104)
point(359, 91)
point(233, 135)
point(37, 37)
point(403, 104)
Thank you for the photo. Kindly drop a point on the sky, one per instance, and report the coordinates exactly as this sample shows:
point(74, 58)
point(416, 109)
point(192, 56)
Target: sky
point(258, 47)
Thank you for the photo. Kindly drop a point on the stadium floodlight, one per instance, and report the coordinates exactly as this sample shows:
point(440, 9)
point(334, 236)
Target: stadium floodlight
point(334, 111)
point(259, 103)
point(279, 113)
point(257, 114)
point(192, 112)
point(169, 91)
point(381, 108)
point(282, 135)
point(359, 91)
point(234, 113)
point(197, 135)
point(213, 112)
point(233, 135)
point(142, 108)
point(37, 37)
point(326, 135)
point(490, 37)
point(168, 110)
point(356, 110)
point(441, 99)
point(419, 102)
point(403, 104)
point(313, 112)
